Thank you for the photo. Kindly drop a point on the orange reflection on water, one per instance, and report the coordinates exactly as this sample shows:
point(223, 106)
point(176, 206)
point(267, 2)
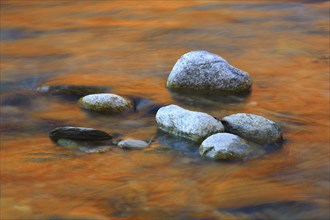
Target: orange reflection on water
point(132, 48)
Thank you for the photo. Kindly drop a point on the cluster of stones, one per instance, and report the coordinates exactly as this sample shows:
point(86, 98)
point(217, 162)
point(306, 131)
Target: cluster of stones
point(220, 139)
point(229, 138)
point(91, 140)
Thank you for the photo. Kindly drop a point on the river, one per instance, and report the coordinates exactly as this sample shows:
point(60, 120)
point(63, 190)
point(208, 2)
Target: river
point(132, 46)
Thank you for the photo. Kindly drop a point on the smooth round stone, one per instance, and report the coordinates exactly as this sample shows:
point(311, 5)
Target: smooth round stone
point(105, 102)
point(202, 70)
point(253, 127)
point(224, 146)
point(79, 133)
point(133, 144)
point(188, 124)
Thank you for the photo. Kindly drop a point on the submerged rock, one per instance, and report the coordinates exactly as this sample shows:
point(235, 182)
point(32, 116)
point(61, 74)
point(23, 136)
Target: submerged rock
point(105, 103)
point(253, 127)
point(78, 133)
point(224, 146)
point(189, 124)
point(18, 99)
point(202, 70)
point(145, 105)
point(133, 144)
point(83, 146)
point(170, 143)
point(73, 90)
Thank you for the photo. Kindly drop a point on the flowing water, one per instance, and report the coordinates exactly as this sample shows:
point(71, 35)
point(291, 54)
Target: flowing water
point(132, 46)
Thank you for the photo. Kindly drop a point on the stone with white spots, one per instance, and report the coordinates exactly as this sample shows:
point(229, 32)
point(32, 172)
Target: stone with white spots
point(253, 127)
point(202, 70)
point(189, 124)
point(224, 146)
point(106, 103)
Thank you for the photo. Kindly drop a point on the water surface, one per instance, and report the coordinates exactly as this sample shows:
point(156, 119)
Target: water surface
point(132, 48)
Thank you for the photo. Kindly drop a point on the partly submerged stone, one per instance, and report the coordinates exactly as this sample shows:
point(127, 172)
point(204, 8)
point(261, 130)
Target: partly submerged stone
point(133, 144)
point(79, 133)
point(253, 127)
point(73, 90)
point(170, 143)
point(87, 147)
point(17, 99)
point(145, 105)
point(189, 124)
point(105, 103)
point(202, 70)
point(224, 146)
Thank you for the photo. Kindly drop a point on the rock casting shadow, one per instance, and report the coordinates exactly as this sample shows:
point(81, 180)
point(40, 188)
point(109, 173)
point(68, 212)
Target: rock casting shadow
point(176, 143)
point(207, 98)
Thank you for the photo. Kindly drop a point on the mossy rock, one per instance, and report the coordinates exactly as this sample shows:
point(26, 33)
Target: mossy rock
point(106, 103)
point(84, 146)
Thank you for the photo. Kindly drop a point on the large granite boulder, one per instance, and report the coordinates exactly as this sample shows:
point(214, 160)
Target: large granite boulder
point(202, 70)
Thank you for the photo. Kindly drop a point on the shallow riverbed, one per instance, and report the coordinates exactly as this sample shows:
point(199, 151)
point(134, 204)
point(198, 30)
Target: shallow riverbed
point(132, 48)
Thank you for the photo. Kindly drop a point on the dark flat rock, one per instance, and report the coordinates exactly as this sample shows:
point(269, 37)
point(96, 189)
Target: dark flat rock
point(78, 133)
point(73, 90)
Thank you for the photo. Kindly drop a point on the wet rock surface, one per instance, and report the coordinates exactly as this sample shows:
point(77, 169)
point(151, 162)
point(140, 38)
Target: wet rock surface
point(189, 124)
point(253, 127)
point(105, 103)
point(79, 133)
point(170, 143)
point(84, 146)
point(132, 144)
point(77, 91)
point(202, 70)
point(145, 105)
point(224, 146)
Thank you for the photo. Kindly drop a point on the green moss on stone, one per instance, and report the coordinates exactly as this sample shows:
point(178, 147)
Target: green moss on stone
point(105, 107)
point(228, 156)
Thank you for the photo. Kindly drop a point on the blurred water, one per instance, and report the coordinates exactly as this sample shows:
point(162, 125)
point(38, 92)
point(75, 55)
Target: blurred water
point(132, 47)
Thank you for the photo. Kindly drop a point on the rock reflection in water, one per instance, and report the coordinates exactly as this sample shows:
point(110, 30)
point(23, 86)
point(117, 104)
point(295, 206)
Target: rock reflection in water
point(132, 48)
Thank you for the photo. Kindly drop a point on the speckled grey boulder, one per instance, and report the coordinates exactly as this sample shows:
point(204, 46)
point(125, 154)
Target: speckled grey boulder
point(133, 144)
point(105, 102)
point(202, 70)
point(189, 124)
point(224, 146)
point(253, 127)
